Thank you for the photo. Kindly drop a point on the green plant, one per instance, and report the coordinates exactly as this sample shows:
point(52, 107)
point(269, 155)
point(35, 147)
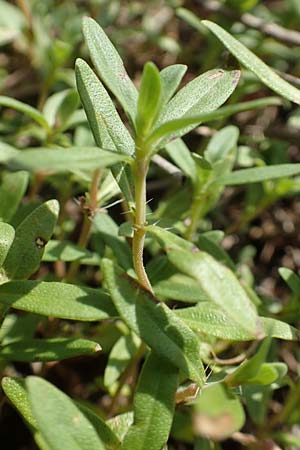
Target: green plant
point(186, 266)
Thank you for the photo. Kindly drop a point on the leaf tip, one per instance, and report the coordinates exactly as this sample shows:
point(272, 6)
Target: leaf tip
point(98, 348)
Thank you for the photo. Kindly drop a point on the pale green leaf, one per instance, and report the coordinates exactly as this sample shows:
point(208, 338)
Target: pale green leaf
point(255, 64)
point(33, 113)
point(208, 318)
point(221, 286)
point(66, 159)
point(259, 174)
point(202, 95)
point(110, 66)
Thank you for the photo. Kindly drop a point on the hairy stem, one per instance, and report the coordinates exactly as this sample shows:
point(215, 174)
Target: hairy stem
point(87, 223)
point(140, 170)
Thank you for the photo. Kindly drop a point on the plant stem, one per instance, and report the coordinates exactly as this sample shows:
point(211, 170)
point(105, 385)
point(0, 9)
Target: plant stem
point(195, 213)
point(87, 224)
point(140, 170)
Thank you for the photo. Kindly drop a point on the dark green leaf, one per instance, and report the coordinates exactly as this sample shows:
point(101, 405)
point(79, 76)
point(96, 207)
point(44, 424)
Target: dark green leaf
point(29, 350)
point(31, 236)
point(155, 323)
point(154, 404)
point(105, 433)
point(62, 300)
point(59, 420)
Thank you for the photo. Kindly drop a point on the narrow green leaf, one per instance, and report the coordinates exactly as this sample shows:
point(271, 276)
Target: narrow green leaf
point(59, 421)
point(62, 300)
point(7, 234)
point(33, 113)
point(101, 112)
point(291, 279)
point(148, 101)
point(110, 66)
point(155, 323)
point(154, 404)
point(12, 189)
point(56, 349)
point(177, 127)
point(31, 236)
point(66, 159)
point(221, 286)
point(104, 431)
point(255, 64)
point(259, 174)
point(171, 77)
point(106, 125)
